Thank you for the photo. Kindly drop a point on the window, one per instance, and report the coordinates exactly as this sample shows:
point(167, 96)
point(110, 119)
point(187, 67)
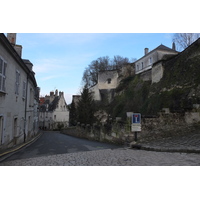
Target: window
point(3, 66)
point(17, 82)
point(109, 80)
point(142, 65)
point(137, 69)
point(150, 60)
point(24, 90)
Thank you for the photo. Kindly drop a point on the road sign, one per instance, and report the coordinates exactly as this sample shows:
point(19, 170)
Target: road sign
point(136, 118)
point(136, 122)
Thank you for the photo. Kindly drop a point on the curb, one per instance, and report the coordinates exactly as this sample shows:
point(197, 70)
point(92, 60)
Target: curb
point(9, 153)
point(170, 150)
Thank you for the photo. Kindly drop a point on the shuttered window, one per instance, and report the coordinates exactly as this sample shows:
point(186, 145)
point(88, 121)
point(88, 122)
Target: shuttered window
point(17, 82)
point(24, 89)
point(3, 66)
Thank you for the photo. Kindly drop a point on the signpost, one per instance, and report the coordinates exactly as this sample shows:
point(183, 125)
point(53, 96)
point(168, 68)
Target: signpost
point(136, 124)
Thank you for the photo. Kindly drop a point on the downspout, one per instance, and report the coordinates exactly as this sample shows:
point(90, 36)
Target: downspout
point(26, 99)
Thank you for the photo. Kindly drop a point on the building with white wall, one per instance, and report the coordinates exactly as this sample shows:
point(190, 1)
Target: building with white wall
point(145, 63)
point(53, 111)
point(105, 88)
point(19, 95)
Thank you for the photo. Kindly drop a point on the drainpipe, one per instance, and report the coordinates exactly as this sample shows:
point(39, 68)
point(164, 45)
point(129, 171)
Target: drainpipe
point(26, 99)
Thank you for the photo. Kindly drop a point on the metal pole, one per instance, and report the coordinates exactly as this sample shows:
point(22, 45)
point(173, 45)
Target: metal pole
point(135, 136)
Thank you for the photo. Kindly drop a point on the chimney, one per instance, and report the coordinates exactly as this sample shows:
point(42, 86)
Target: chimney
point(61, 94)
point(12, 39)
point(146, 51)
point(173, 46)
point(56, 93)
point(18, 49)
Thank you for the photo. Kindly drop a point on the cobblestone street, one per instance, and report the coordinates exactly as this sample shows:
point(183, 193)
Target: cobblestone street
point(115, 157)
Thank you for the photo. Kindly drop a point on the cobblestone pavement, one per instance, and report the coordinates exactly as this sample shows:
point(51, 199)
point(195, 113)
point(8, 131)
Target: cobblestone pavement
point(115, 157)
point(176, 151)
point(187, 144)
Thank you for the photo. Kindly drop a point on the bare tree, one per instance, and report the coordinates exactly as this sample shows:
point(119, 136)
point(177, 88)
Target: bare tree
point(183, 40)
point(90, 75)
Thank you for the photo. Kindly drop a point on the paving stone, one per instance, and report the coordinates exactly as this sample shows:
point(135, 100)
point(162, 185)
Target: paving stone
point(108, 157)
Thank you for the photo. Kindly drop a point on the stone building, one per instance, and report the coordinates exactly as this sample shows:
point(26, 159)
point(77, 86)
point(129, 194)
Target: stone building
point(19, 94)
point(105, 88)
point(109, 80)
point(53, 111)
point(144, 65)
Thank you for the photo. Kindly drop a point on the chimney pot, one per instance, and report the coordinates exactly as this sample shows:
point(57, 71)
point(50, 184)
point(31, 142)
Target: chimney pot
point(146, 51)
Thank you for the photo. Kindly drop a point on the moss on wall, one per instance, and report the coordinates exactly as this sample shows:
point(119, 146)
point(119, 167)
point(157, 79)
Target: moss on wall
point(178, 90)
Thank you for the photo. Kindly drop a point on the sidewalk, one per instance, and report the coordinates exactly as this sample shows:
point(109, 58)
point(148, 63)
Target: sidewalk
point(186, 144)
point(8, 152)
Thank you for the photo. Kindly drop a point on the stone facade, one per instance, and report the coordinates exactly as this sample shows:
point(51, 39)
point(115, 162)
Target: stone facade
point(145, 63)
point(157, 72)
point(153, 127)
point(19, 95)
point(107, 83)
point(53, 111)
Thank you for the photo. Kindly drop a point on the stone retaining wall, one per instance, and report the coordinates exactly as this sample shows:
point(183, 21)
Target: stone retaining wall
point(153, 127)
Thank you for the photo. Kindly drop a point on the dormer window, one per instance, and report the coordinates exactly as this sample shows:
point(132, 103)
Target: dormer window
point(109, 80)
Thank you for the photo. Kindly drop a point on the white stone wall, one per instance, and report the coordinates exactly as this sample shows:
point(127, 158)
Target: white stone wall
point(13, 124)
point(61, 112)
point(157, 72)
point(107, 80)
point(146, 62)
point(95, 92)
point(50, 119)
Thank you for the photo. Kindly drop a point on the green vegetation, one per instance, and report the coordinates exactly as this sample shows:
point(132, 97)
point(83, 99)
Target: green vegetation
point(178, 90)
point(132, 95)
point(86, 108)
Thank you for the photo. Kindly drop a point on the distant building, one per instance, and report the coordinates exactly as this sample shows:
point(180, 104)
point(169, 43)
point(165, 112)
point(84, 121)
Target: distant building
point(145, 63)
point(19, 95)
point(105, 88)
point(53, 111)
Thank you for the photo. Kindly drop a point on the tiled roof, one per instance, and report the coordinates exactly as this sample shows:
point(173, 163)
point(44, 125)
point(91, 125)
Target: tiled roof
point(160, 47)
point(54, 103)
point(163, 47)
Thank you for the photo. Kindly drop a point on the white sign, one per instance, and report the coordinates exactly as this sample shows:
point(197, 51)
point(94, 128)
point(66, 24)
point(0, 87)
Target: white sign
point(135, 128)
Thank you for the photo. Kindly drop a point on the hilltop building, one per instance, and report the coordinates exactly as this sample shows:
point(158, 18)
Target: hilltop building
point(144, 65)
point(53, 112)
point(105, 88)
point(19, 95)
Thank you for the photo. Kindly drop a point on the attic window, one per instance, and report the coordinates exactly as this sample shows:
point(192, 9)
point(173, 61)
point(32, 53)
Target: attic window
point(109, 80)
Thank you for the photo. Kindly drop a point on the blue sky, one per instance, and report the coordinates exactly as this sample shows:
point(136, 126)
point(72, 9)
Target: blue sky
point(60, 59)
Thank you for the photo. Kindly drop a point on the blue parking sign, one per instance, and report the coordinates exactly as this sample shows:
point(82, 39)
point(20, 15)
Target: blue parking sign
point(136, 118)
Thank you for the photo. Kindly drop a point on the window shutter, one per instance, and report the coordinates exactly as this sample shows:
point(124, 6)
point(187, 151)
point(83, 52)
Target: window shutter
point(4, 77)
